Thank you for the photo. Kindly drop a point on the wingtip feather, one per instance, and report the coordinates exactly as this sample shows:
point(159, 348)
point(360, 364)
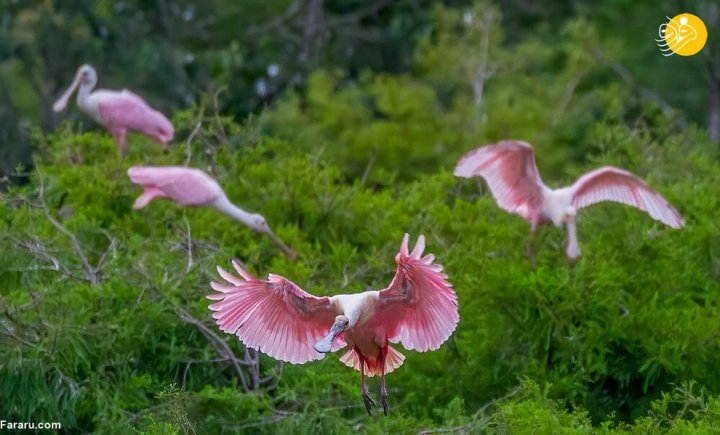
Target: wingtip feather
point(241, 269)
point(419, 247)
point(404, 244)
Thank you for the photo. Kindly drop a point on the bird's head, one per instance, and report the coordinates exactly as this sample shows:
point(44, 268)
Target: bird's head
point(259, 224)
point(341, 324)
point(85, 77)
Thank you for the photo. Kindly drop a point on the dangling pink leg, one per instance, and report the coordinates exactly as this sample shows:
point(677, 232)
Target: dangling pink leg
point(367, 400)
point(573, 250)
point(383, 388)
point(120, 135)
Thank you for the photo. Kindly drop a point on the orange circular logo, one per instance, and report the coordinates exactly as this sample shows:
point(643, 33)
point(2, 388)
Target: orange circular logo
point(683, 34)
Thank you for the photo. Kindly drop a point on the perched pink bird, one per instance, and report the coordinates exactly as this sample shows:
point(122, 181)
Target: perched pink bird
point(193, 187)
point(418, 309)
point(510, 171)
point(118, 111)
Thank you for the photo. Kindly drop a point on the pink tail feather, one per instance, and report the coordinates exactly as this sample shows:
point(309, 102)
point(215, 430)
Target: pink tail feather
point(393, 360)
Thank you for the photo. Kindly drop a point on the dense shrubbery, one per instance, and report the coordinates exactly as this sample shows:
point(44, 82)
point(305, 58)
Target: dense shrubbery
point(105, 326)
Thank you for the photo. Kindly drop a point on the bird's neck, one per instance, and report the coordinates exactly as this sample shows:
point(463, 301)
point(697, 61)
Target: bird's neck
point(224, 205)
point(83, 95)
point(358, 307)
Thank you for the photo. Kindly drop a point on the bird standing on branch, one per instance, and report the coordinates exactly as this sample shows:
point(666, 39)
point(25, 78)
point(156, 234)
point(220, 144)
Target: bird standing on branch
point(118, 111)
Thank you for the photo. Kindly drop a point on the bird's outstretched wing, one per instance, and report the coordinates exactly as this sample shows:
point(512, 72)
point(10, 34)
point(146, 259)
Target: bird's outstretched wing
point(617, 185)
point(275, 316)
point(419, 308)
point(510, 171)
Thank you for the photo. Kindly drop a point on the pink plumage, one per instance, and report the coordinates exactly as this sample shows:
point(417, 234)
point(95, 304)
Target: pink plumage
point(193, 187)
point(185, 186)
point(433, 298)
point(613, 184)
point(118, 111)
point(418, 309)
point(510, 171)
point(275, 316)
point(126, 110)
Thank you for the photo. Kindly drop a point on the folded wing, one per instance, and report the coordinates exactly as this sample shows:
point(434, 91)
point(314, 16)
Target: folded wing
point(509, 169)
point(275, 316)
point(187, 186)
point(419, 308)
point(613, 184)
point(128, 110)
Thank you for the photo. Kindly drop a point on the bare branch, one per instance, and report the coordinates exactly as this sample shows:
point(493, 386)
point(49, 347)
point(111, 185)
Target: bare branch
point(218, 343)
point(353, 17)
point(188, 141)
point(476, 418)
point(276, 22)
point(276, 417)
point(189, 246)
point(216, 107)
point(37, 248)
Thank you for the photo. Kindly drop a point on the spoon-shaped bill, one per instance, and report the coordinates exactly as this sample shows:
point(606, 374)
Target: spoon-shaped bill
point(289, 252)
point(325, 345)
point(62, 102)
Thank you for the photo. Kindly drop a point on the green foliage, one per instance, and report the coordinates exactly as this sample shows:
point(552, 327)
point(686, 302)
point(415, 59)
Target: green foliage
point(104, 324)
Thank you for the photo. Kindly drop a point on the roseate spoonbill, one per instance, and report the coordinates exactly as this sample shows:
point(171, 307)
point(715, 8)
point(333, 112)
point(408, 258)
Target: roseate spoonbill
point(188, 186)
point(510, 171)
point(418, 309)
point(118, 111)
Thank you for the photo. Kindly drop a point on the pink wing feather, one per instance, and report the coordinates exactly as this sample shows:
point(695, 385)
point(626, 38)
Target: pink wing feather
point(613, 184)
point(275, 316)
point(419, 308)
point(186, 186)
point(510, 171)
point(125, 109)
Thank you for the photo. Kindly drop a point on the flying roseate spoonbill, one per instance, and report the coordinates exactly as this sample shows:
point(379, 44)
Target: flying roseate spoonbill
point(418, 309)
point(193, 187)
point(118, 111)
point(510, 171)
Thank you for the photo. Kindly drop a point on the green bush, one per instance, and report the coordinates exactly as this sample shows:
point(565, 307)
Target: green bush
point(105, 327)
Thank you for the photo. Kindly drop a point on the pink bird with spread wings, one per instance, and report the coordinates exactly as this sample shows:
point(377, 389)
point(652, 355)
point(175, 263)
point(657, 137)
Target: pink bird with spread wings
point(193, 187)
point(117, 111)
point(418, 309)
point(510, 171)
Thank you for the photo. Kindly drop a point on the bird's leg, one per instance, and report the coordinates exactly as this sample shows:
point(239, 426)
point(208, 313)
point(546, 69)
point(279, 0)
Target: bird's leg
point(120, 135)
point(573, 250)
point(383, 388)
point(367, 400)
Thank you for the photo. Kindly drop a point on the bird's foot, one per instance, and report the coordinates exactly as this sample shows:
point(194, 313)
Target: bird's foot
point(369, 403)
point(383, 400)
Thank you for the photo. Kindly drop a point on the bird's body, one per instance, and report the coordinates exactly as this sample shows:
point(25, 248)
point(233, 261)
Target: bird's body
point(511, 173)
point(275, 316)
point(118, 111)
point(193, 187)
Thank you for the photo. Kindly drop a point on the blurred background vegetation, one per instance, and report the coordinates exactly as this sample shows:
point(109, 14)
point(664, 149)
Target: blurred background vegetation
point(340, 121)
